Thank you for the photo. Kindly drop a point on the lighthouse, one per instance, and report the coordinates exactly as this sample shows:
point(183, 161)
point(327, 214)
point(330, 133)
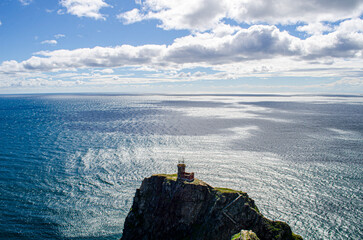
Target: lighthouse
point(182, 175)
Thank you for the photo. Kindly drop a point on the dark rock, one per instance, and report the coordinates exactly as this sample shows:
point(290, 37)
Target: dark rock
point(165, 208)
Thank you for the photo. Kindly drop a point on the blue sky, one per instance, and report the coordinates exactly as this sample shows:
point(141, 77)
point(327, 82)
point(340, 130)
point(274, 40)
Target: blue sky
point(175, 46)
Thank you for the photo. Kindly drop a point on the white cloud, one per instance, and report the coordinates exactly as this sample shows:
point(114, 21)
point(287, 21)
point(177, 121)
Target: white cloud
point(224, 29)
point(178, 14)
point(291, 11)
point(358, 82)
point(85, 8)
point(351, 26)
point(57, 36)
point(60, 12)
point(256, 42)
point(206, 14)
point(345, 42)
point(51, 42)
point(106, 71)
point(1, 23)
point(124, 55)
point(131, 16)
point(25, 2)
point(39, 82)
point(233, 52)
point(315, 28)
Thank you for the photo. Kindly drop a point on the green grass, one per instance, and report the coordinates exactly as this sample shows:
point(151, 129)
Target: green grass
point(246, 235)
point(168, 176)
point(296, 237)
point(227, 190)
point(236, 236)
point(174, 177)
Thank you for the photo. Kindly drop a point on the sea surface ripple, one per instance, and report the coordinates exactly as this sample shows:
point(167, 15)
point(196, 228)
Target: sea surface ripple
point(70, 164)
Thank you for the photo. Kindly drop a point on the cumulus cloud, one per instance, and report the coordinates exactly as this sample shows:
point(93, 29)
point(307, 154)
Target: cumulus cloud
point(25, 2)
point(256, 42)
point(260, 50)
point(206, 14)
point(290, 11)
point(131, 16)
point(200, 15)
point(87, 57)
point(85, 8)
point(345, 42)
point(51, 42)
point(315, 28)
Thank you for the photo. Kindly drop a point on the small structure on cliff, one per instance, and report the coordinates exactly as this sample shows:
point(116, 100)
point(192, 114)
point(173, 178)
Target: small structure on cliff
point(182, 175)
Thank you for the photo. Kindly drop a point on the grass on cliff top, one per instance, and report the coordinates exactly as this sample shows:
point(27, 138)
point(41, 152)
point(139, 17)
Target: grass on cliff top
point(296, 236)
point(174, 177)
point(245, 235)
point(168, 176)
point(227, 190)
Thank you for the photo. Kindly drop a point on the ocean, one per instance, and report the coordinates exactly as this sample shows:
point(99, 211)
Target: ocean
point(70, 163)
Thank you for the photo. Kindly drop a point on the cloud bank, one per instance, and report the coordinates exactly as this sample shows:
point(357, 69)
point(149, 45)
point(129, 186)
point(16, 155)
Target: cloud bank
point(258, 42)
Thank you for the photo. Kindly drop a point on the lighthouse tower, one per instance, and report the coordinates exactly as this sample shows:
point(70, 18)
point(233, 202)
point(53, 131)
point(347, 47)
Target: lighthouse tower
point(182, 175)
point(181, 169)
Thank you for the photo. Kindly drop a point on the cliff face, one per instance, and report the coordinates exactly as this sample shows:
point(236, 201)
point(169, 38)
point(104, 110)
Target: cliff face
point(165, 208)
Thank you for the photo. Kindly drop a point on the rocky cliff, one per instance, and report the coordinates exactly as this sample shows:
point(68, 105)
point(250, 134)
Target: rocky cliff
point(165, 208)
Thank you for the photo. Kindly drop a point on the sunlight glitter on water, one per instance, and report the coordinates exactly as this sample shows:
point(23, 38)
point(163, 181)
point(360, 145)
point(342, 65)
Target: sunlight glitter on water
point(76, 169)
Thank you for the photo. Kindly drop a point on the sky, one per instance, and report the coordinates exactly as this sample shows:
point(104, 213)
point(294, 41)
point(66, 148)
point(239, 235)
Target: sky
point(181, 46)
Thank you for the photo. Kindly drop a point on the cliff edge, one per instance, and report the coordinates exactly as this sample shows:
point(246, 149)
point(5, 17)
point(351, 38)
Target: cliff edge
point(167, 208)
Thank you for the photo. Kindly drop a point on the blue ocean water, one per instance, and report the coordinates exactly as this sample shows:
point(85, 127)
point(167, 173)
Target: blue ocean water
point(70, 164)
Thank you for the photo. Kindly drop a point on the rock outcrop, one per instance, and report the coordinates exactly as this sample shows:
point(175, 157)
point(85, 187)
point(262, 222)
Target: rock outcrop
point(165, 208)
point(245, 235)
